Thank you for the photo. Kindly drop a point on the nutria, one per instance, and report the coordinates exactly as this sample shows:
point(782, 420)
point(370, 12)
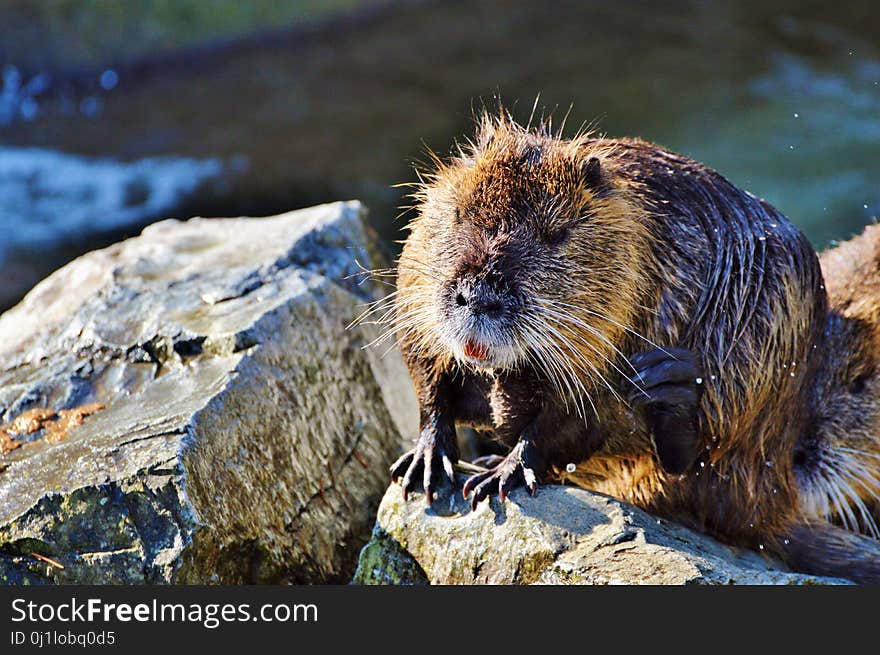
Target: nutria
point(627, 319)
point(837, 463)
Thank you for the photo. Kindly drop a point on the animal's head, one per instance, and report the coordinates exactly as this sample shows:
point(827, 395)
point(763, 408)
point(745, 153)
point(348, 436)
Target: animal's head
point(526, 248)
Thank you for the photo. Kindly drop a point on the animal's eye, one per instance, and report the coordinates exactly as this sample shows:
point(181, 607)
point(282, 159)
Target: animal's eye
point(857, 386)
point(558, 236)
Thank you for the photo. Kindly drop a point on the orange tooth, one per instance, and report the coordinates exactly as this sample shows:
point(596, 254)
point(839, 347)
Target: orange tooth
point(475, 350)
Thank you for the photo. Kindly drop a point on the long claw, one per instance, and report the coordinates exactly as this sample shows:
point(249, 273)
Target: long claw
point(427, 477)
point(407, 482)
point(531, 480)
point(488, 461)
point(482, 491)
point(474, 481)
point(447, 467)
point(400, 466)
point(504, 485)
point(532, 485)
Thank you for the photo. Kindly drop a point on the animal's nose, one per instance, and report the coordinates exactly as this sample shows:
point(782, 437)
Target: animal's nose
point(479, 300)
point(490, 306)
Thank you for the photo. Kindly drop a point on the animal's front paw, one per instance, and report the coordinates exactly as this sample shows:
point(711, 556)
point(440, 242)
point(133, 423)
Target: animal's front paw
point(520, 467)
point(435, 452)
point(670, 382)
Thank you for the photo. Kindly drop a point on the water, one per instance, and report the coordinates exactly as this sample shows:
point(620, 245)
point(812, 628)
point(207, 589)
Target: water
point(47, 197)
point(781, 97)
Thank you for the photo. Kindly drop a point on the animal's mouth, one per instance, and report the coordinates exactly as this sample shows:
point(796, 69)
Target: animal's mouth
point(476, 350)
point(486, 354)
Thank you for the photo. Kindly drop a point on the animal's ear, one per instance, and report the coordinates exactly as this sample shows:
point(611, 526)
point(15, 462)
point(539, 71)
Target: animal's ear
point(593, 173)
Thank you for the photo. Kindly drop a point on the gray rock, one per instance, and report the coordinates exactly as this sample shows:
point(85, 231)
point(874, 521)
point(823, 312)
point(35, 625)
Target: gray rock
point(564, 535)
point(245, 432)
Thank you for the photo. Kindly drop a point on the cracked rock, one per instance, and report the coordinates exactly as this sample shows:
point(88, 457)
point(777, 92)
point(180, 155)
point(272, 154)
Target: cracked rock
point(563, 535)
point(228, 427)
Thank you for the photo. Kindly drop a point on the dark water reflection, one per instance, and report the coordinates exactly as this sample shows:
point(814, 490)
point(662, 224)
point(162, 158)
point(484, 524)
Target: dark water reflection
point(781, 97)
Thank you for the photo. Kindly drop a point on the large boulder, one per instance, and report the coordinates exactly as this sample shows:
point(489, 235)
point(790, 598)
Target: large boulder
point(188, 406)
point(564, 535)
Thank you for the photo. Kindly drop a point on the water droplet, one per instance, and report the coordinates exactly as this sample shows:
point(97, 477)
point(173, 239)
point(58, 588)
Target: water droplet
point(791, 374)
point(786, 541)
point(702, 465)
point(791, 147)
point(725, 477)
point(796, 115)
point(109, 79)
point(570, 467)
point(90, 106)
point(769, 463)
point(708, 447)
point(760, 546)
point(751, 525)
point(776, 491)
point(865, 206)
point(28, 109)
point(711, 377)
point(699, 380)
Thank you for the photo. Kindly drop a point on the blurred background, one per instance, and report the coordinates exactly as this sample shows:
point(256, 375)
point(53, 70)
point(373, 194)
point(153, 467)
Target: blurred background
point(115, 114)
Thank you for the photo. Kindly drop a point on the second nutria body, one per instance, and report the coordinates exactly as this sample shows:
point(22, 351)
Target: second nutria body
point(620, 316)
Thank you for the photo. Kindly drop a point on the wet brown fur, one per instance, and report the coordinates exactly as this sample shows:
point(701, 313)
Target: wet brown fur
point(662, 251)
point(838, 462)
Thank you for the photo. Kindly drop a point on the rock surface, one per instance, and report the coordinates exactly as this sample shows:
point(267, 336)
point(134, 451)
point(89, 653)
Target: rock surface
point(564, 535)
point(191, 407)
